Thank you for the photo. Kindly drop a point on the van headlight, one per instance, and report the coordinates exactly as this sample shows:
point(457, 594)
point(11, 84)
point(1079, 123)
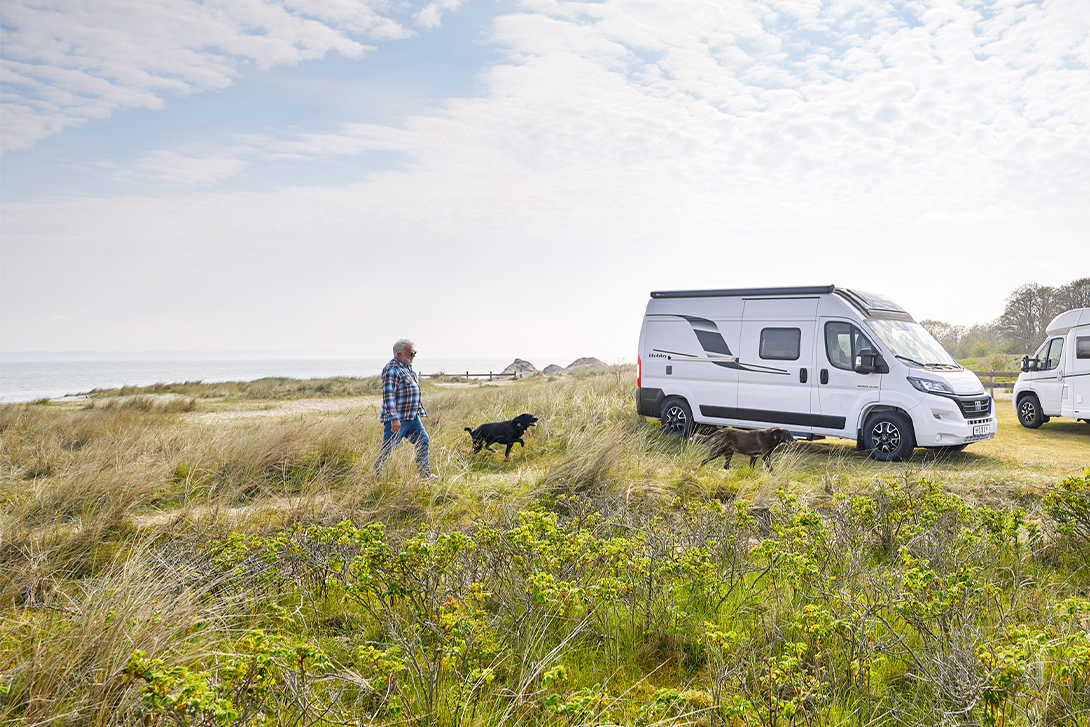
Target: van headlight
point(928, 386)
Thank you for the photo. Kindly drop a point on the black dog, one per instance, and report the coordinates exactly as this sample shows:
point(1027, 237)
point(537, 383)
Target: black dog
point(507, 433)
point(755, 443)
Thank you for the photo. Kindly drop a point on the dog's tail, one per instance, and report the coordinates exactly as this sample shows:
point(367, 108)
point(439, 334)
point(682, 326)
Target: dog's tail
point(469, 430)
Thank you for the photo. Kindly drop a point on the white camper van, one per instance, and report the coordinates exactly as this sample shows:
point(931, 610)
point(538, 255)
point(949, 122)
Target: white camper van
point(820, 361)
point(1056, 381)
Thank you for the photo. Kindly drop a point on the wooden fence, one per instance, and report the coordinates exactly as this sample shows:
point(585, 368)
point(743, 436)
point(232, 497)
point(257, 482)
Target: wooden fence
point(467, 375)
point(991, 384)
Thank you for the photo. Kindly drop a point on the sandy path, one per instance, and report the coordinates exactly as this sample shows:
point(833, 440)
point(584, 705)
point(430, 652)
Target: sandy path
point(290, 408)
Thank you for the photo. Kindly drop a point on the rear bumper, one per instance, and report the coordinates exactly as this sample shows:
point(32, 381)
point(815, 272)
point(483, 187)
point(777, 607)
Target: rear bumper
point(649, 401)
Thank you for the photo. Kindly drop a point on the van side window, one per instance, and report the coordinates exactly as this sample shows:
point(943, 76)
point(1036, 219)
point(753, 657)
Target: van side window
point(1082, 347)
point(1051, 359)
point(842, 341)
point(780, 343)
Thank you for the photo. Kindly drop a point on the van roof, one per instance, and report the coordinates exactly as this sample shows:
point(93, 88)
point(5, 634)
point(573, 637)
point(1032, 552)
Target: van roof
point(1066, 321)
point(871, 305)
point(812, 290)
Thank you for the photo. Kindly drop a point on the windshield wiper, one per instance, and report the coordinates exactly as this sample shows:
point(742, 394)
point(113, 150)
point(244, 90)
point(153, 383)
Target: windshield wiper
point(908, 360)
point(955, 367)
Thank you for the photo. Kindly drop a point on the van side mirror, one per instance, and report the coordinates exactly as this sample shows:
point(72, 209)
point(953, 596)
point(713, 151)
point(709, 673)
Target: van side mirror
point(868, 361)
point(1029, 364)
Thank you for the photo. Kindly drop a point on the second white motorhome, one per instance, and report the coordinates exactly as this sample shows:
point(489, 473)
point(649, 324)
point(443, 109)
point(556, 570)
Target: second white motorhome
point(1055, 382)
point(820, 361)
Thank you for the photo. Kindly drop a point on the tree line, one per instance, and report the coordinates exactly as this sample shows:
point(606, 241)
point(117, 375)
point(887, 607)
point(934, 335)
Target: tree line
point(1020, 329)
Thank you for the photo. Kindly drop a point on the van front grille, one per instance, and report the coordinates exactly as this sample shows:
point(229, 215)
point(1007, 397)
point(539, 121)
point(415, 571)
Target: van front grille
point(976, 407)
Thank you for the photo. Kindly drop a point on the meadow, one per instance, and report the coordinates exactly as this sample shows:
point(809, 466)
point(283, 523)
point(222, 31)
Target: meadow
point(223, 554)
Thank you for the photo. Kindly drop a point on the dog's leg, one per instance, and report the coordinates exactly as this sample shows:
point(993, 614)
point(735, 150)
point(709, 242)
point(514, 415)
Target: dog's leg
point(726, 458)
point(753, 459)
point(508, 452)
point(768, 461)
point(477, 446)
point(489, 447)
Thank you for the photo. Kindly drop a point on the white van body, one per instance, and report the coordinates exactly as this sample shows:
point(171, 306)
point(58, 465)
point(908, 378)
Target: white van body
point(819, 361)
point(1055, 382)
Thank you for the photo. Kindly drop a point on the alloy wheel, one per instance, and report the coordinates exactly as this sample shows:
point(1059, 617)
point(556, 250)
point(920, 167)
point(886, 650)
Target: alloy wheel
point(885, 436)
point(1027, 410)
point(676, 420)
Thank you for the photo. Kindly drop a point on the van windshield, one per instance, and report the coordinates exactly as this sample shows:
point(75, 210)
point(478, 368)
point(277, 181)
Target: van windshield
point(910, 342)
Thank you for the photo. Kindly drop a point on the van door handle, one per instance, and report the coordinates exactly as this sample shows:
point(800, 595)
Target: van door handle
point(825, 376)
point(802, 376)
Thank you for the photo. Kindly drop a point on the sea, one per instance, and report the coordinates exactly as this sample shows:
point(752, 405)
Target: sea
point(30, 377)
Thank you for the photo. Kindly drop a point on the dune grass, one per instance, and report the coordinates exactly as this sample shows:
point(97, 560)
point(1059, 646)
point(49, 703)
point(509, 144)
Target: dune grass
point(159, 565)
point(272, 387)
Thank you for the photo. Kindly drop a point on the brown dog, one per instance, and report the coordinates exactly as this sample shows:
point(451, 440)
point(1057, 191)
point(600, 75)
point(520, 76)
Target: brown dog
point(755, 443)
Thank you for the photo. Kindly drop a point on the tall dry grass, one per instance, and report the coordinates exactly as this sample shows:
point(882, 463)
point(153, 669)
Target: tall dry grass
point(65, 643)
point(141, 460)
point(273, 387)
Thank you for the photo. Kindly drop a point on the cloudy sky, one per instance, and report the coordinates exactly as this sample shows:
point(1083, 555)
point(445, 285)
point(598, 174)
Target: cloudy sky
point(506, 177)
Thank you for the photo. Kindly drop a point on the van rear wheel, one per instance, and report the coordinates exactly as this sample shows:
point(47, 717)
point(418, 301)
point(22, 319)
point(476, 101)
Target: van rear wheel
point(676, 417)
point(1030, 415)
point(888, 436)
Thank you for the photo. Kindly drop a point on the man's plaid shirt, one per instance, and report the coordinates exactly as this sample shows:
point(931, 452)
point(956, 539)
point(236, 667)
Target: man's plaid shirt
point(400, 393)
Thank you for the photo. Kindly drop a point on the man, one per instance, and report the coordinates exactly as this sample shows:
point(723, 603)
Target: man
point(401, 409)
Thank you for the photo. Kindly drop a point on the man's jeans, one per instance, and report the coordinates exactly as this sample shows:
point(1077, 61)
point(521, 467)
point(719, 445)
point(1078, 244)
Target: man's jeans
point(412, 430)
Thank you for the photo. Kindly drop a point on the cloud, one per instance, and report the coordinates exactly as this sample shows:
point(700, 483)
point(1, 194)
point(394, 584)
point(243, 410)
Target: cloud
point(618, 147)
point(64, 63)
point(432, 15)
point(172, 166)
point(919, 107)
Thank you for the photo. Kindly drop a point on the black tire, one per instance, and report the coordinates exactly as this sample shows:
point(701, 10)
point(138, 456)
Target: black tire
point(1030, 415)
point(888, 436)
point(676, 417)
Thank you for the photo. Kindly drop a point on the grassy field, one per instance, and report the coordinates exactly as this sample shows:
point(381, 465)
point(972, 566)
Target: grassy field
point(223, 553)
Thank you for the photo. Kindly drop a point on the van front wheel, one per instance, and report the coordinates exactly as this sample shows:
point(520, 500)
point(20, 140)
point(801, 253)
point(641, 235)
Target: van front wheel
point(888, 436)
point(676, 417)
point(1030, 415)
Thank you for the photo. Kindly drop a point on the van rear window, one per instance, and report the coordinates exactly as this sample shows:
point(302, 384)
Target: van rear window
point(780, 344)
point(1082, 347)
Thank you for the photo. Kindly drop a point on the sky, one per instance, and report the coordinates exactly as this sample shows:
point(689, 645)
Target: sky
point(513, 178)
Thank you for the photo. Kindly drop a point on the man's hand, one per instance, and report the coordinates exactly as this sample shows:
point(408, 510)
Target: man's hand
point(395, 425)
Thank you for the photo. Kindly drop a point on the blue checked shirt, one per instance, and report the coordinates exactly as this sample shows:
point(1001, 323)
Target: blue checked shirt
point(400, 393)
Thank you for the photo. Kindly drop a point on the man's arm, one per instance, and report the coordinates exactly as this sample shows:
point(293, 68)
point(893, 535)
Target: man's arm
point(389, 399)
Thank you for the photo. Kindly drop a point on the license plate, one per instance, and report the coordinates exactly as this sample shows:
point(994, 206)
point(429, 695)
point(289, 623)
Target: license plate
point(981, 429)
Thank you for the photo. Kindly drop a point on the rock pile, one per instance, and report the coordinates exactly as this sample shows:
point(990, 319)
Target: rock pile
point(522, 368)
point(580, 364)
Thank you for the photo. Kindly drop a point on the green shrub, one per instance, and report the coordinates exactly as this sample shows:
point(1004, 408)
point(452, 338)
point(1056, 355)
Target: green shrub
point(1069, 505)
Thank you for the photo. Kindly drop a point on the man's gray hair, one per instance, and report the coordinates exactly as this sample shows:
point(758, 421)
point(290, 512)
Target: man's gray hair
point(403, 345)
